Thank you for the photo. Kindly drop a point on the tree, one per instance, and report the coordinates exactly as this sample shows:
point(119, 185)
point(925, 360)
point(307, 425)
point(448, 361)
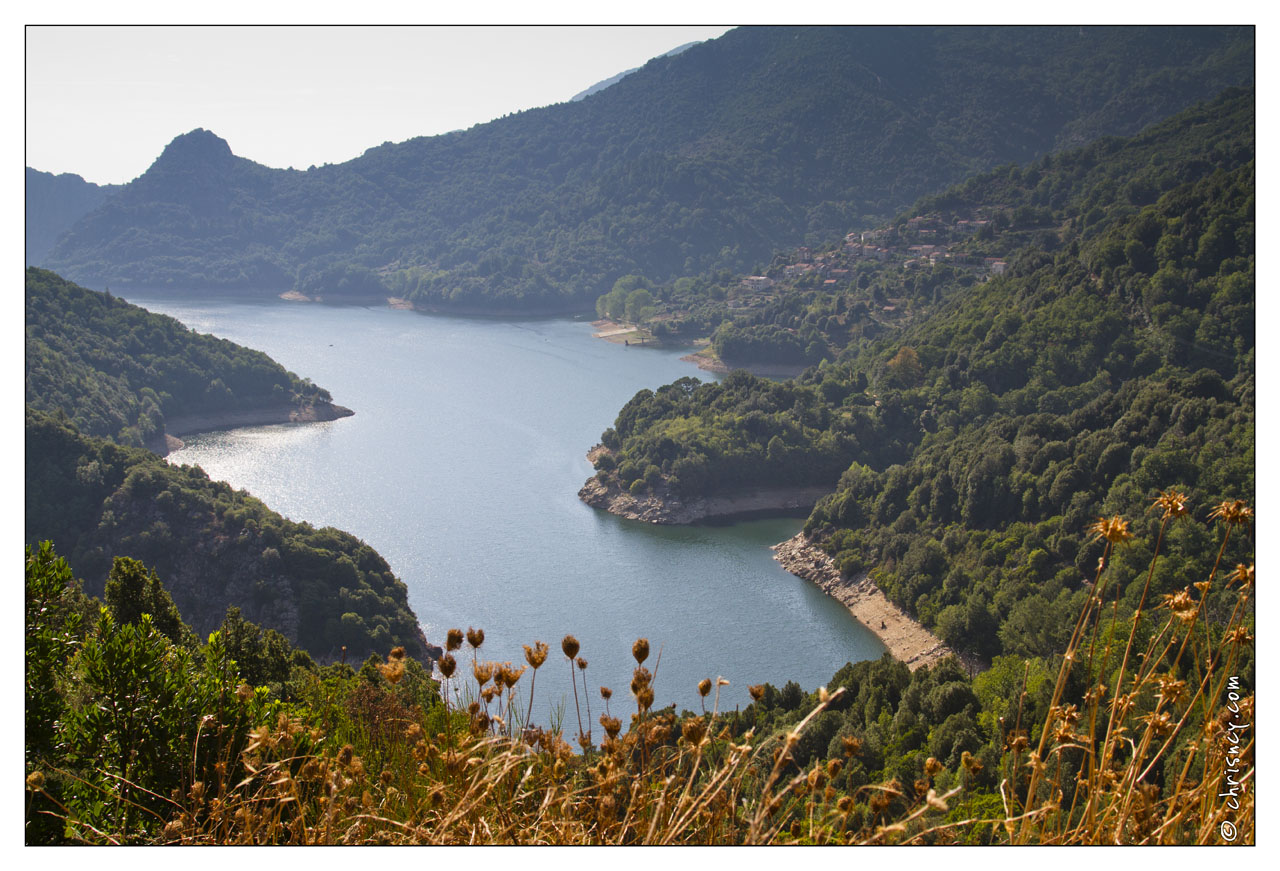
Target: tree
point(133, 590)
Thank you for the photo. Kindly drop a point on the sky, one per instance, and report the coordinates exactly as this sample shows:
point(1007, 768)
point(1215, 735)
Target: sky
point(103, 101)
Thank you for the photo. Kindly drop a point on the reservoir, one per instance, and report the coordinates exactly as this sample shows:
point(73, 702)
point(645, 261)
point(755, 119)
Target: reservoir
point(461, 467)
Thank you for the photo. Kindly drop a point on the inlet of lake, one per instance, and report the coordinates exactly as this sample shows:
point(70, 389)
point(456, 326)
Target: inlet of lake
point(461, 467)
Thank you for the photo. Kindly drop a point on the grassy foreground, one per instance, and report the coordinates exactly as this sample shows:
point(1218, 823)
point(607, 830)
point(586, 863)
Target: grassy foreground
point(134, 736)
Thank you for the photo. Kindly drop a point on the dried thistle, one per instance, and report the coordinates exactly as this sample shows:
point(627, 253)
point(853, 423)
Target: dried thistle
point(447, 665)
point(475, 637)
point(1114, 530)
point(1233, 512)
point(536, 655)
point(640, 650)
point(570, 646)
point(1172, 503)
point(1242, 574)
point(453, 640)
point(1181, 604)
point(693, 730)
point(612, 725)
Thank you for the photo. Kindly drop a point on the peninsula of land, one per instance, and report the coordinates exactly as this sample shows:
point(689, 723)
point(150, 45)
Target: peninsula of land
point(663, 506)
point(168, 440)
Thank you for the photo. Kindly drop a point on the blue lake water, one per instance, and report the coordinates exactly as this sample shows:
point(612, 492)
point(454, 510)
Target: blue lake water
point(461, 467)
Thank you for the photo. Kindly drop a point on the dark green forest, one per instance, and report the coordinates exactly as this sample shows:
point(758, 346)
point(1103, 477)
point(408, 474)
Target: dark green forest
point(118, 371)
point(212, 546)
point(972, 443)
point(713, 159)
point(1031, 395)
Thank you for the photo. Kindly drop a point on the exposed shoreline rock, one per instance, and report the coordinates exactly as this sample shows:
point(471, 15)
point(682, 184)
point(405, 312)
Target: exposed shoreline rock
point(709, 363)
point(169, 440)
point(665, 507)
point(906, 639)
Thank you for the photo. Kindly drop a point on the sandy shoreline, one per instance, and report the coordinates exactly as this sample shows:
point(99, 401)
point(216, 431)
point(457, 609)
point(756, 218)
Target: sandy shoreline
point(906, 639)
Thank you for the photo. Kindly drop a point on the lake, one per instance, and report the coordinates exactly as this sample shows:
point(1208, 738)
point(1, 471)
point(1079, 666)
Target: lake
point(461, 467)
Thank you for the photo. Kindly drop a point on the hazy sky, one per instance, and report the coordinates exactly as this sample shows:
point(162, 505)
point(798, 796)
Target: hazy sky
point(103, 102)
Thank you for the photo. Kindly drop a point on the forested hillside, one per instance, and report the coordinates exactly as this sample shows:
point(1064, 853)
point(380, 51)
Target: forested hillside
point(714, 158)
point(1112, 359)
point(54, 203)
point(213, 547)
point(119, 371)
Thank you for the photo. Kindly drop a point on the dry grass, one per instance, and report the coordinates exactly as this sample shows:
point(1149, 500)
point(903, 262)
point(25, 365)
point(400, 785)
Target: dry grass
point(1147, 755)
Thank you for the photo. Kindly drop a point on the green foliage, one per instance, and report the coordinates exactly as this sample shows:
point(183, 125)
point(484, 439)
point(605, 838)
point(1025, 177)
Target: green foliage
point(118, 371)
point(122, 722)
point(132, 590)
point(712, 159)
point(982, 435)
point(744, 431)
point(213, 546)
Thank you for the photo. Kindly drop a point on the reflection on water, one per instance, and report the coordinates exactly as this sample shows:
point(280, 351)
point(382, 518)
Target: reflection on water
point(461, 466)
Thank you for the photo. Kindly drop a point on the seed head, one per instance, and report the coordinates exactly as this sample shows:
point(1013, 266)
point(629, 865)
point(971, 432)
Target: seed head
point(1233, 512)
point(536, 655)
point(475, 637)
point(612, 725)
point(693, 730)
point(447, 664)
point(1171, 689)
point(1239, 635)
point(582, 664)
point(640, 679)
point(482, 671)
point(756, 691)
point(640, 650)
point(1172, 503)
point(606, 693)
point(704, 687)
point(1115, 530)
point(1181, 604)
point(393, 670)
point(35, 781)
point(396, 654)
point(645, 698)
point(1243, 574)
point(453, 640)
point(570, 646)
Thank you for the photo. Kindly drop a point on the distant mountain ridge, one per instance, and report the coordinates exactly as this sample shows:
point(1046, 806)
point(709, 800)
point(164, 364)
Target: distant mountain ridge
point(54, 203)
point(712, 159)
point(614, 79)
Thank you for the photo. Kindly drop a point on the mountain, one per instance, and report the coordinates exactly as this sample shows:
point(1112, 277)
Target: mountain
point(118, 371)
point(712, 159)
point(614, 79)
point(981, 436)
point(54, 203)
